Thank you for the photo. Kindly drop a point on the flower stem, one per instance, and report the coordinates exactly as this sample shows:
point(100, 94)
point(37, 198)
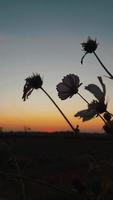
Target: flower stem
point(88, 104)
point(83, 57)
point(111, 76)
point(110, 113)
point(59, 110)
point(82, 97)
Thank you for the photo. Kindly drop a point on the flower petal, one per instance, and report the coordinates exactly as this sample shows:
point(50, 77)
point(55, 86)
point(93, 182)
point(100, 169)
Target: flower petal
point(63, 95)
point(61, 87)
point(69, 86)
point(71, 80)
point(63, 91)
point(86, 114)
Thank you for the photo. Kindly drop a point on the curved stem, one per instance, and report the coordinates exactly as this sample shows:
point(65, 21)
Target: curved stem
point(88, 104)
point(83, 57)
point(111, 76)
point(59, 109)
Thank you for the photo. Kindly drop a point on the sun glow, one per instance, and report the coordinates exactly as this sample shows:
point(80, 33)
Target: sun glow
point(48, 122)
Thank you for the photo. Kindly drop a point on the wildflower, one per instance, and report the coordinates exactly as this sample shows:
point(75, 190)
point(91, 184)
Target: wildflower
point(35, 82)
point(90, 47)
point(69, 86)
point(96, 107)
point(32, 82)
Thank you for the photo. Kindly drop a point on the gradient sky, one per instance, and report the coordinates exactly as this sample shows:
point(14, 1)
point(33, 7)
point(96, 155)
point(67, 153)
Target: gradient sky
point(44, 36)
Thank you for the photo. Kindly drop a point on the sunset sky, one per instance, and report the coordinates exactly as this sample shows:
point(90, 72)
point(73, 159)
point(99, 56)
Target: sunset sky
point(44, 36)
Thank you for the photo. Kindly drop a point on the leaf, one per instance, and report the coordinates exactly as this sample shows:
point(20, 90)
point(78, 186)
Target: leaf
point(102, 84)
point(95, 90)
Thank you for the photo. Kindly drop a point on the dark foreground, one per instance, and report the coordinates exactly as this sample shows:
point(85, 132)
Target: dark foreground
point(56, 167)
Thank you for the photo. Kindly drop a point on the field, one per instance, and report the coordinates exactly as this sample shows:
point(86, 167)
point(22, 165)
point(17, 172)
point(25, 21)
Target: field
point(58, 166)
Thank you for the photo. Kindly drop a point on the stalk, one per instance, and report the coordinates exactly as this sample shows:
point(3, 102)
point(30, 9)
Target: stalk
point(59, 110)
point(82, 97)
point(88, 104)
point(107, 71)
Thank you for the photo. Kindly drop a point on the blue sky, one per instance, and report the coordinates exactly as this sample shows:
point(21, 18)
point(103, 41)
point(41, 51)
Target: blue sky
point(27, 18)
point(44, 36)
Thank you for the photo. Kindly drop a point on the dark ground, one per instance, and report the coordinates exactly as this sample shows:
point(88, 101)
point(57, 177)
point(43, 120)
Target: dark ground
point(59, 166)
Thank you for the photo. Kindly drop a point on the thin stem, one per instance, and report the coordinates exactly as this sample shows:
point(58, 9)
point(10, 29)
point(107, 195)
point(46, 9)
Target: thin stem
point(102, 118)
point(88, 104)
point(82, 97)
point(83, 57)
point(110, 113)
point(111, 76)
point(59, 109)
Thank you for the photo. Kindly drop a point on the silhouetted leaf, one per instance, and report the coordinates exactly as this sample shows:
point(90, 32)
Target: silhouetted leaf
point(95, 90)
point(102, 84)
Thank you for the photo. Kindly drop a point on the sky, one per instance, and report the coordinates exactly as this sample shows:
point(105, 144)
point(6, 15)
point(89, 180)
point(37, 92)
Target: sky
point(45, 36)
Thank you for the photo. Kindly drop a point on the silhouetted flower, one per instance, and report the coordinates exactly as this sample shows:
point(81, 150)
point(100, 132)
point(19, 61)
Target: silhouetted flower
point(96, 107)
point(69, 86)
point(35, 82)
point(89, 47)
point(32, 82)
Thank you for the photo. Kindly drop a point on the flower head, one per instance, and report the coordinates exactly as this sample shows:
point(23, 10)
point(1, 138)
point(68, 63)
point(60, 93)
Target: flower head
point(69, 86)
point(89, 47)
point(97, 106)
point(32, 82)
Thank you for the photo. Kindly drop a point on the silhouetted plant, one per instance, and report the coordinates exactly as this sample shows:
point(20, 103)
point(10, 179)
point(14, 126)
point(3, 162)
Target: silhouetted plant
point(35, 82)
point(69, 86)
point(96, 107)
point(32, 82)
point(90, 47)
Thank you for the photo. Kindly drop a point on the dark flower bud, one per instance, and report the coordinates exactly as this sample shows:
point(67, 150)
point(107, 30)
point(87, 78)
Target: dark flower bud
point(90, 46)
point(107, 116)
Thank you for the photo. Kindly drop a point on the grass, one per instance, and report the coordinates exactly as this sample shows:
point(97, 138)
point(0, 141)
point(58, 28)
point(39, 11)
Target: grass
point(53, 166)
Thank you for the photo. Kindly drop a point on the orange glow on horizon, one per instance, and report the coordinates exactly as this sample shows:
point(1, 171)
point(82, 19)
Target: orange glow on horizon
point(49, 124)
